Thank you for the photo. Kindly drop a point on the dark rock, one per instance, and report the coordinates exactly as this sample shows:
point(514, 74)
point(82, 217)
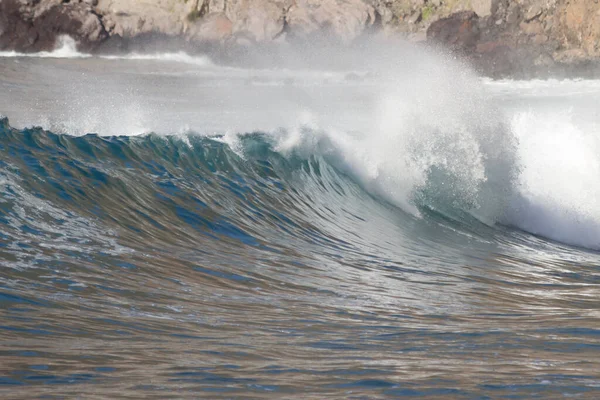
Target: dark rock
point(341, 20)
point(22, 29)
point(15, 31)
point(513, 14)
point(459, 31)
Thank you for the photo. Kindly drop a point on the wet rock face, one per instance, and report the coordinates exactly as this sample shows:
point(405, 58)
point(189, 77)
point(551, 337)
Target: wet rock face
point(76, 20)
point(255, 21)
point(262, 22)
point(215, 27)
point(344, 20)
point(15, 32)
point(30, 26)
point(538, 35)
point(482, 8)
point(579, 24)
point(238, 21)
point(460, 31)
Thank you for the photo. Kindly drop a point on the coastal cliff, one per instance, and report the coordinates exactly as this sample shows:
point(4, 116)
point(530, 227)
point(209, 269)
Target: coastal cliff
point(500, 37)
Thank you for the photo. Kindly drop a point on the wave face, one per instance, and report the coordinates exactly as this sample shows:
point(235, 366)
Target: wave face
point(306, 233)
point(260, 267)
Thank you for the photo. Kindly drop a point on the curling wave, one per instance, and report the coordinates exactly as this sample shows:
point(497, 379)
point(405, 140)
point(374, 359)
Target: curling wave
point(307, 187)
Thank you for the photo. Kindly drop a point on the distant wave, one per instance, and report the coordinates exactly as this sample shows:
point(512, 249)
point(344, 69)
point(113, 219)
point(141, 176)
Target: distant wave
point(67, 48)
point(180, 57)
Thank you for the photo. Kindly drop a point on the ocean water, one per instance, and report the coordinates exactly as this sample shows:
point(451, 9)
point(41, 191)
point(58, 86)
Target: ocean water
point(393, 227)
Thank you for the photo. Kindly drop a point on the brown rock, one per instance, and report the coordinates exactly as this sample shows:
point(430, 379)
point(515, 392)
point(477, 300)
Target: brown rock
point(569, 56)
point(489, 47)
point(532, 28)
point(540, 39)
point(543, 60)
point(215, 27)
point(496, 34)
point(459, 31)
point(37, 26)
point(342, 20)
point(258, 20)
point(513, 14)
point(534, 11)
point(482, 8)
point(579, 24)
point(130, 18)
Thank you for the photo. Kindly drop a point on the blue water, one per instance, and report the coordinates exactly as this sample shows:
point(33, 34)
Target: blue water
point(188, 265)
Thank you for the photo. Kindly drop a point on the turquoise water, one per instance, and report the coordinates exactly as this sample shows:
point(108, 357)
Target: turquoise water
point(350, 242)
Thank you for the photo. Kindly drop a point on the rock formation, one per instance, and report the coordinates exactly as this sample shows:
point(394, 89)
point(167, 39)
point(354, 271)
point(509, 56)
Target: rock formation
point(500, 36)
point(243, 21)
point(529, 37)
point(29, 26)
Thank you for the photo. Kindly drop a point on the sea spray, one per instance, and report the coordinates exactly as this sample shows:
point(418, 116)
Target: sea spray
point(434, 139)
point(558, 192)
point(65, 47)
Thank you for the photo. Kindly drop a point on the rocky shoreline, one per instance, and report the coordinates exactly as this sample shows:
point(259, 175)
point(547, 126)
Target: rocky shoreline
point(501, 38)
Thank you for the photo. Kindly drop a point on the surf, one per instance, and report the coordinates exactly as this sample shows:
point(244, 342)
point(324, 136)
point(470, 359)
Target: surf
point(417, 129)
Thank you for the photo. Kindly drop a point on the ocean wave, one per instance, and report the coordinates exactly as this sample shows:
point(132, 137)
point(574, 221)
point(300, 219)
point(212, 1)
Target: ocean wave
point(252, 187)
point(423, 135)
point(179, 57)
point(66, 47)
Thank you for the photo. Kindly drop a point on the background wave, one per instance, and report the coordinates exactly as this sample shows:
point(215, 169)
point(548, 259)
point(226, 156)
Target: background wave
point(66, 48)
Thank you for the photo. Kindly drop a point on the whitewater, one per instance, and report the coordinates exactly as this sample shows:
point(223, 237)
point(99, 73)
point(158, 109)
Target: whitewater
point(373, 223)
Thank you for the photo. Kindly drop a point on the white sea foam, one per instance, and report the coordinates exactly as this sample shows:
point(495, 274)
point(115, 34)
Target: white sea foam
point(179, 57)
point(448, 142)
point(558, 193)
point(66, 47)
point(433, 133)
